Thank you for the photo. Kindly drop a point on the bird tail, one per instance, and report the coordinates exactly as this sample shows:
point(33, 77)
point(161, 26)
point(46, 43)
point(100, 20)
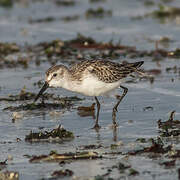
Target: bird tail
point(137, 64)
point(135, 67)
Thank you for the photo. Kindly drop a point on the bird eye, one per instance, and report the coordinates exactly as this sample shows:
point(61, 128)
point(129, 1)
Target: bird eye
point(55, 74)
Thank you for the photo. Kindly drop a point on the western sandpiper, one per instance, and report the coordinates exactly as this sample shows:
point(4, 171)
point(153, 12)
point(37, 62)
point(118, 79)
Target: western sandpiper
point(91, 78)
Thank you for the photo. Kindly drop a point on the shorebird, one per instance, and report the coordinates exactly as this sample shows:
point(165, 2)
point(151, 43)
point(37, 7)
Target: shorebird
point(91, 78)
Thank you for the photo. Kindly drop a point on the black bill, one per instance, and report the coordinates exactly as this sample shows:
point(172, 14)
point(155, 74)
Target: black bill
point(45, 86)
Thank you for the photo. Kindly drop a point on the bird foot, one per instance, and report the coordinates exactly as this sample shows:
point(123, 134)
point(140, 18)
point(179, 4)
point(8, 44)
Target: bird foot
point(96, 127)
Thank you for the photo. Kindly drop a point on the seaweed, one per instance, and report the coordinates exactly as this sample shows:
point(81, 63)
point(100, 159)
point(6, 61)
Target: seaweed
point(55, 157)
point(101, 177)
point(86, 111)
point(157, 147)
point(96, 1)
point(166, 11)
point(81, 39)
point(168, 164)
point(70, 18)
point(91, 146)
point(8, 48)
point(169, 127)
point(77, 49)
point(39, 83)
point(97, 13)
point(89, 108)
point(163, 13)
point(62, 102)
point(53, 48)
point(133, 172)
point(149, 3)
point(175, 53)
point(141, 140)
point(56, 134)
point(173, 69)
point(82, 42)
point(6, 3)
point(34, 106)
point(122, 167)
point(153, 71)
point(62, 173)
point(3, 164)
point(50, 19)
point(65, 2)
point(9, 175)
point(42, 20)
point(148, 108)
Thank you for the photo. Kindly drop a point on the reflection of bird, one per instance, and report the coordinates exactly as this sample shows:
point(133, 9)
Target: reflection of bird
point(91, 78)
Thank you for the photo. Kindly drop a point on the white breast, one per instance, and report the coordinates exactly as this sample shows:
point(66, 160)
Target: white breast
point(91, 86)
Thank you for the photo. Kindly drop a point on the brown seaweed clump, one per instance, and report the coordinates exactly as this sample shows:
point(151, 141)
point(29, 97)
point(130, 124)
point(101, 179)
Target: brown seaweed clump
point(57, 134)
point(98, 13)
point(166, 12)
point(157, 147)
point(65, 2)
point(3, 164)
point(62, 173)
point(61, 102)
point(40, 106)
point(163, 13)
point(73, 50)
point(6, 3)
point(86, 111)
point(170, 127)
point(26, 95)
point(8, 48)
point(55, 157)
point(96, 1)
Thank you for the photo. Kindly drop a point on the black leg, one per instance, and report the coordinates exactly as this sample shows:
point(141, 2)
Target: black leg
point(115, 134)
point(115, 107)
point(96, 126)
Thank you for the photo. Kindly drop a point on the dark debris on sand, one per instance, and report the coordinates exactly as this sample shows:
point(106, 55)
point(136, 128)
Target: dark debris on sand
point(62, 173)
point(157, 147)
point(169, 128)
point(26, 95)
point(8, 48)
point(84, 111)
point(169, 164)
point(163, 13)
point(55, 157)
point(35, 106)
point(60, 102)
point(57, 134)
point(100, 12)
point(3, 164)
point(73, 50)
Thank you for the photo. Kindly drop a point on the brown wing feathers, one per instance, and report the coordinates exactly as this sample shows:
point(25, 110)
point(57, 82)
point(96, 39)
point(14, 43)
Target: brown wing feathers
point(106, 71)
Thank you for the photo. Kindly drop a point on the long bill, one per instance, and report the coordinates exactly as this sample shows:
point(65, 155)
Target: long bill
point(45, 86)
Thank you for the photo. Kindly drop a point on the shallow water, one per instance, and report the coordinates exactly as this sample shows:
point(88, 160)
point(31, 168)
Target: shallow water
point(134, 122)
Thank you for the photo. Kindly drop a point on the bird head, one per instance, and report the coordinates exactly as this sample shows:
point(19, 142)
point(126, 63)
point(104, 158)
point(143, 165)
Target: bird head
point(54, 78)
